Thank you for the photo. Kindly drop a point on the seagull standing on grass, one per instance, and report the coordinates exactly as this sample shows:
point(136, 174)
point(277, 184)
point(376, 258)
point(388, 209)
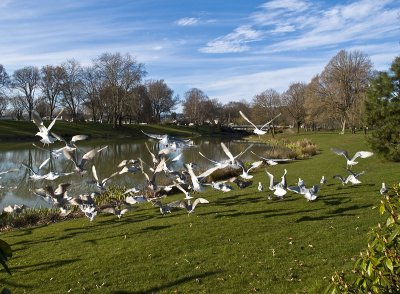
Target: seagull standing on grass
point(384, 190)
point(278, 187)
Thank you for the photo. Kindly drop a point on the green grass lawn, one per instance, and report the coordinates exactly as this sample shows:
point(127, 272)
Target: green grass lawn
point(238, 243)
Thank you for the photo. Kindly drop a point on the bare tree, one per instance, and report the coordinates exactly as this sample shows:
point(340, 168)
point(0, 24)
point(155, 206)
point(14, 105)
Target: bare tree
point(4, 80)
point(92, 84)
point(72, 87)
point(17, 105)
point(231, 111)
point(161, 98)
point(294, 99)
point(139, 106)
point(51, 86)
point(3, 104)
point(26, 81)
point(344, 82)
point(120, 74)
point(265, 106)
point(193, 108)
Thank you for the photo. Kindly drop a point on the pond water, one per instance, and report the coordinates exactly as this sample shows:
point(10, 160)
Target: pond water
point(17, 188)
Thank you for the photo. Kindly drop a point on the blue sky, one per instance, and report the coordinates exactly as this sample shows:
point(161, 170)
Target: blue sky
point(231, 50)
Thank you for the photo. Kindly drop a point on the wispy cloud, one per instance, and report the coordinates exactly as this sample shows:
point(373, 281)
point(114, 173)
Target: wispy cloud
point(187, 21)
point(233, 42)
point(291, 5)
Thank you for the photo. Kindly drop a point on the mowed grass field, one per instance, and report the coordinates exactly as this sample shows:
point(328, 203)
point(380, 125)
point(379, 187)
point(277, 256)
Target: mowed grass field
point(240, 242)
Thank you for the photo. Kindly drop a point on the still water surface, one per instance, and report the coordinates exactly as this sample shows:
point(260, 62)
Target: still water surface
point(17, 188)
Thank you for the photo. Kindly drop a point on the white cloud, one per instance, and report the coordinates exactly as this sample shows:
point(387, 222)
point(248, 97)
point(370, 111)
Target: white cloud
point(291, 5)
point(283, 29)
point(187, 21)
point(233, 42)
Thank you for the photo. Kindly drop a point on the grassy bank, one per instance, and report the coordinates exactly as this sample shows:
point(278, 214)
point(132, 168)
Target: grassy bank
point(238, 243)
point(25, 130)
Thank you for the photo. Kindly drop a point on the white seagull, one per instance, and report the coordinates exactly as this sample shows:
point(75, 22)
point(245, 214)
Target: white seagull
point(44, 132)
point(245, 174)
point(278, 187)
point(259, 131)
point(351, 161)
point(100, 184)
point(273, 161)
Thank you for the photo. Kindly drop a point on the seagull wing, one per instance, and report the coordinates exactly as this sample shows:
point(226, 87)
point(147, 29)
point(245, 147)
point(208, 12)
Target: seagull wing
point(59, 138)
point(176, 158)
point(245, 117)
point(9, 171)
point(178, 204)
point(243, 152)
point(68, 155)
point(255, 165)
point(227, 152)
point(155, 136)
point(154, 158)
point(362, 154)
point(295, 189)
point(271, 180)
point(193, 177)
point(340, 152)
point(198, 201)
point(44, 163)
point(54, 120)
point(213, 161)
point(267, 123)
point(38, 121)
point(208, 172)
point(95, 174)
point(339, 177)
point(78, 138)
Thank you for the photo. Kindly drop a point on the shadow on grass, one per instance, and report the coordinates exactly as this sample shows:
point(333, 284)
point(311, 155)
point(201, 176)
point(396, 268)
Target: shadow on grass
point(43, 265)
point(170, 284)
point(335, 213)
point(154, 228)
point(5, 282)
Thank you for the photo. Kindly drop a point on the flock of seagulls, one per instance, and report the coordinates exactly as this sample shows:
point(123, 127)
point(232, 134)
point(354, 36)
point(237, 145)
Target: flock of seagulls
point(186, 180)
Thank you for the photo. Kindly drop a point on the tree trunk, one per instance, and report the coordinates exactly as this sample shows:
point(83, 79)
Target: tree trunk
point(298, 127)
point(343, 127)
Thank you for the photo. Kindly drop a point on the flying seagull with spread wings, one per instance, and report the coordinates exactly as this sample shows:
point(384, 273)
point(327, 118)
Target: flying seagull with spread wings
point(259, 131)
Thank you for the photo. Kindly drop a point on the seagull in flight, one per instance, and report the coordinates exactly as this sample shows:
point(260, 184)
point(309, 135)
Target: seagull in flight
point(310, 194)
point(351, 161)
point(100, 184)
point(245, 174)
point(70, 146)
point(352, 178)
point(259, 131)
point(44, 132)
point(35, 174)
point(188, 205)
point(80, 166)
point(272, 161)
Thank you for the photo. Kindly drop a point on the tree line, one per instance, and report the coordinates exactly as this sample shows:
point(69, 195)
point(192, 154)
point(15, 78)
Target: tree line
point(332, 99)
point(111, 89)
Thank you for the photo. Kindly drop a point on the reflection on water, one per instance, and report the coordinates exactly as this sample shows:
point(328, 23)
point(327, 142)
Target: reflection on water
point(17, 188)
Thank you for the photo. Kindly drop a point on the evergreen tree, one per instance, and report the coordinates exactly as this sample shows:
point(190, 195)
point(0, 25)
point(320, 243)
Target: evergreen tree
point(383, 112)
